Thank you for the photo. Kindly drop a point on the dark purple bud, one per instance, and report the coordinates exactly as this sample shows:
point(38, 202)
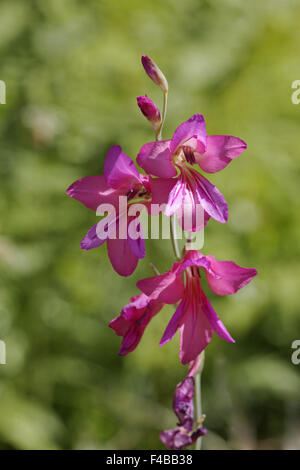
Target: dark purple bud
point(183, 435)
point(183, 403)
point(198, 433)
point(176, 438)
point(154, 72)
point(149, 110)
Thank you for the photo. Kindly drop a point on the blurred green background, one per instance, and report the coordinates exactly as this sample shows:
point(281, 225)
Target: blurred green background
point(72, 71)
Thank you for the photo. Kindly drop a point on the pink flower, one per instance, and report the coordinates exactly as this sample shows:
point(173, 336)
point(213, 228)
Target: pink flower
point(195, 316)
point(154, 72)
point(132, 321)
point(120, 178)
point(190, 145)
point(150, 111)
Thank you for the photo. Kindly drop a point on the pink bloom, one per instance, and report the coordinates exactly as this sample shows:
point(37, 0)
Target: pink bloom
point(190, 145)
point(120, 178)
point(150, 111)
point(195, 317)
point(132, 321)
point(154, 72)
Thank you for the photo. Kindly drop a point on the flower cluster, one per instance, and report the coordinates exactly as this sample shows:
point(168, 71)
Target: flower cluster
point(172, 181)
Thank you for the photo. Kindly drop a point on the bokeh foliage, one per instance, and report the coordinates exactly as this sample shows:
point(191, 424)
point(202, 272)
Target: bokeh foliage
point(73, 72)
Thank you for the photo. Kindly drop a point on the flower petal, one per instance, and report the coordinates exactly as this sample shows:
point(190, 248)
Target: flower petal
point(194, 128)
point(119, 170)
point(220, 150)
point(137, 246)
point(210, 197)
point(215, 321)
point(120, 325)
point(174, 323)
point(167, 288)
point(123, 260)
point(192, 217)
point(156, 159)
point(230, 276)
point(195, 333)
point(160, 189)
point(194, 258)
point(93, 191)
point(132, 321)
point(91, 239)
point(176, 198)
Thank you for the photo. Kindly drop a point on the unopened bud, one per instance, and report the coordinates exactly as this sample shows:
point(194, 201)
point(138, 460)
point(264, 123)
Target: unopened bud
point(150, 111)
point(154, 72)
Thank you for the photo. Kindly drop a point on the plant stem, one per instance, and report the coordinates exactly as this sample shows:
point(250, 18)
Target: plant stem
point(198, 398)
point(154, 268)
point(165, 104)
point(173, 236)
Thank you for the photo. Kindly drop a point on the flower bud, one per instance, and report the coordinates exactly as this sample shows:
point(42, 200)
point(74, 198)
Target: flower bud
point(154, 72)
point(150, 111)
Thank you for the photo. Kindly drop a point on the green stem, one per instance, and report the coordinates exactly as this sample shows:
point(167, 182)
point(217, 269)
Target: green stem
point(173, 237)
point(165, 105)
point(198, 398)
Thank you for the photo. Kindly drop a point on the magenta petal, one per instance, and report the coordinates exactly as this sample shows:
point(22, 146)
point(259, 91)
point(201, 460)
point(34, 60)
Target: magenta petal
point(194, 258)
point(215, 321)
point(132, 321)
point(91, 240)
point(176, 198)
point(195, 333)
point(123, 260)
point(230, 276)
point(93, 191)
point(211, 199)
point(167, 288)
point(156, 159)
point(119, 170)
point(220, 150)
point(192, 216)
point(193, 128)
point(138, 246)
point(160, 189)
point(120, 325)
point(173, 324)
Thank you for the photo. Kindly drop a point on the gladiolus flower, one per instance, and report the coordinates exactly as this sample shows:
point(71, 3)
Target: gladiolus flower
point(132, 321)
point(195, 317)
point(190, 145)
point(154, 72)
point(120, 178)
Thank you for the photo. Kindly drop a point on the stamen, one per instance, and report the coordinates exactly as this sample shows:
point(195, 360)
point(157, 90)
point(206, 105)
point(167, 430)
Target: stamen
point(131, 194)
point(189, 154)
